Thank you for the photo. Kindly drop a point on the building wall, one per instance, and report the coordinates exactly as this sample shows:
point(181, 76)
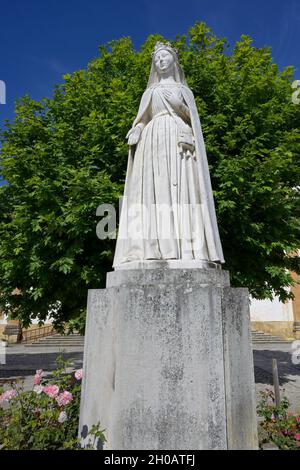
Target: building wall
point(296, 305)
point(278, 318)
point(271, 310)
point(273, 317)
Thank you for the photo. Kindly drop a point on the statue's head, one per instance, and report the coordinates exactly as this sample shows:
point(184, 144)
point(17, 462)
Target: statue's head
point(164, 57)
point(165, 60)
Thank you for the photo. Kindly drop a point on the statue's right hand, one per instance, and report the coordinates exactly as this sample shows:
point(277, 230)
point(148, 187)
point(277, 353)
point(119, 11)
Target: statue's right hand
point(133, 135)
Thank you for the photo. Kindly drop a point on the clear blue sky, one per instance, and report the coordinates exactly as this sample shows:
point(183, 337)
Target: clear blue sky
point(40, 40)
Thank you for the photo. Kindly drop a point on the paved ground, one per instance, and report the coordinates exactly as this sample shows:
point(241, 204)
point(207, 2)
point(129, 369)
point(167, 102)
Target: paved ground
point(289, 373)
point(23, 361)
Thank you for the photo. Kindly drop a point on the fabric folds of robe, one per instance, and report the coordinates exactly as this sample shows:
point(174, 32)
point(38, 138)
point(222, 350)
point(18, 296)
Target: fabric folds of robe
point(168, 209)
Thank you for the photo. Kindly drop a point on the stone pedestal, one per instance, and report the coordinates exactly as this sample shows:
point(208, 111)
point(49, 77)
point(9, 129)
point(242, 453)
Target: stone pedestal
point(168, 361)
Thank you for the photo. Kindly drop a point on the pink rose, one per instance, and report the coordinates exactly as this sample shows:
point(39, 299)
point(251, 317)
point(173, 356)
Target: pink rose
point(78, 374)
point(64, 398)
point(297, 437)
point(38, 377)
point(51, 390)
point(298, 419)
point(8, 395)
point(62, 417)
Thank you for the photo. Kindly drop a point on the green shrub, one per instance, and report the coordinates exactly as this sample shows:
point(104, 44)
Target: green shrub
point(279, 425)
point(46, 417)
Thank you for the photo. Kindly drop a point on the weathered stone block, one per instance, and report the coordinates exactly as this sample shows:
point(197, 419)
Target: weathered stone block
point(168, 362)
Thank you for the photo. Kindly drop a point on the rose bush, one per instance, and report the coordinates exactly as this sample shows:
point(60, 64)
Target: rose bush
point(279, 425)
point(45, 417)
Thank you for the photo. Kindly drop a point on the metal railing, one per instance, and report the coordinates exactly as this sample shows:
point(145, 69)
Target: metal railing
point(37, 333)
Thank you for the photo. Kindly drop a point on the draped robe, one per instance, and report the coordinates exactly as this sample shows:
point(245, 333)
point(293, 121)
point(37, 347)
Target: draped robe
point(168, 209)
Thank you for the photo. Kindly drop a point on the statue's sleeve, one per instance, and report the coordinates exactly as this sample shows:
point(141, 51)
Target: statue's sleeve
point(143, 115)
point(189, 100)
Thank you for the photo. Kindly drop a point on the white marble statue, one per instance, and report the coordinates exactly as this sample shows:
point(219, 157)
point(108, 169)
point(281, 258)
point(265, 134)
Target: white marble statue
point(168, 210)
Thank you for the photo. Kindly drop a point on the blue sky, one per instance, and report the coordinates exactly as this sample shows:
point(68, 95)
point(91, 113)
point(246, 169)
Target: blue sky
point(42, 40)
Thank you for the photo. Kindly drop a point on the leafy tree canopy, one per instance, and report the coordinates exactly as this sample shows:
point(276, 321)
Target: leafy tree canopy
point(64, 156)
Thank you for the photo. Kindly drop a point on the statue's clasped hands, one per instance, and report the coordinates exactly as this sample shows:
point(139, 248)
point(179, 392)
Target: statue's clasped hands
point(134, 135)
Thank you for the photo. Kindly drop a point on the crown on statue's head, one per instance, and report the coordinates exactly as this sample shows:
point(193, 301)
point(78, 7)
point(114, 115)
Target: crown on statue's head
point(164, 45)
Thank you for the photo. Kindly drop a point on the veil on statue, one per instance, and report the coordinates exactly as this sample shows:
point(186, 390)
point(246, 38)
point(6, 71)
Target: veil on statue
point(179, 73)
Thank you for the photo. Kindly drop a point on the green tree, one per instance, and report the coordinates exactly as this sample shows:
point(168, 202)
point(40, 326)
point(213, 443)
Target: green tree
point(64, 156)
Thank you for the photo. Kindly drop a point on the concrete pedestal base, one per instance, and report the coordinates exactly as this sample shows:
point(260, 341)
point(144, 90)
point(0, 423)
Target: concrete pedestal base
point(168, 362)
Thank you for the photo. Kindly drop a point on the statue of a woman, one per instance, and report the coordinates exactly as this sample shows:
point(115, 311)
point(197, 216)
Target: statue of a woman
point(168, 210)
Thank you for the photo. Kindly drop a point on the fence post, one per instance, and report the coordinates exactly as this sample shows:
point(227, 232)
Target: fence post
point(276, 382)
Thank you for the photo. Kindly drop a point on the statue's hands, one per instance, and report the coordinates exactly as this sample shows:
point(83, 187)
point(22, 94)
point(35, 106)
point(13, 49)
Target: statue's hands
point(134, 135)
point(173, 100)
point(186, 150)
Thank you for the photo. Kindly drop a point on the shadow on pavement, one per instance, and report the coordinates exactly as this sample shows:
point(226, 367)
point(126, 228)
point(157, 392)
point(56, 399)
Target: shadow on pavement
point(24, 365)
point(263, 366)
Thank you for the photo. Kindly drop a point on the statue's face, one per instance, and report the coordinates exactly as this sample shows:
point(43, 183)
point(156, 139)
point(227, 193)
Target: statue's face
point(164, 61)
